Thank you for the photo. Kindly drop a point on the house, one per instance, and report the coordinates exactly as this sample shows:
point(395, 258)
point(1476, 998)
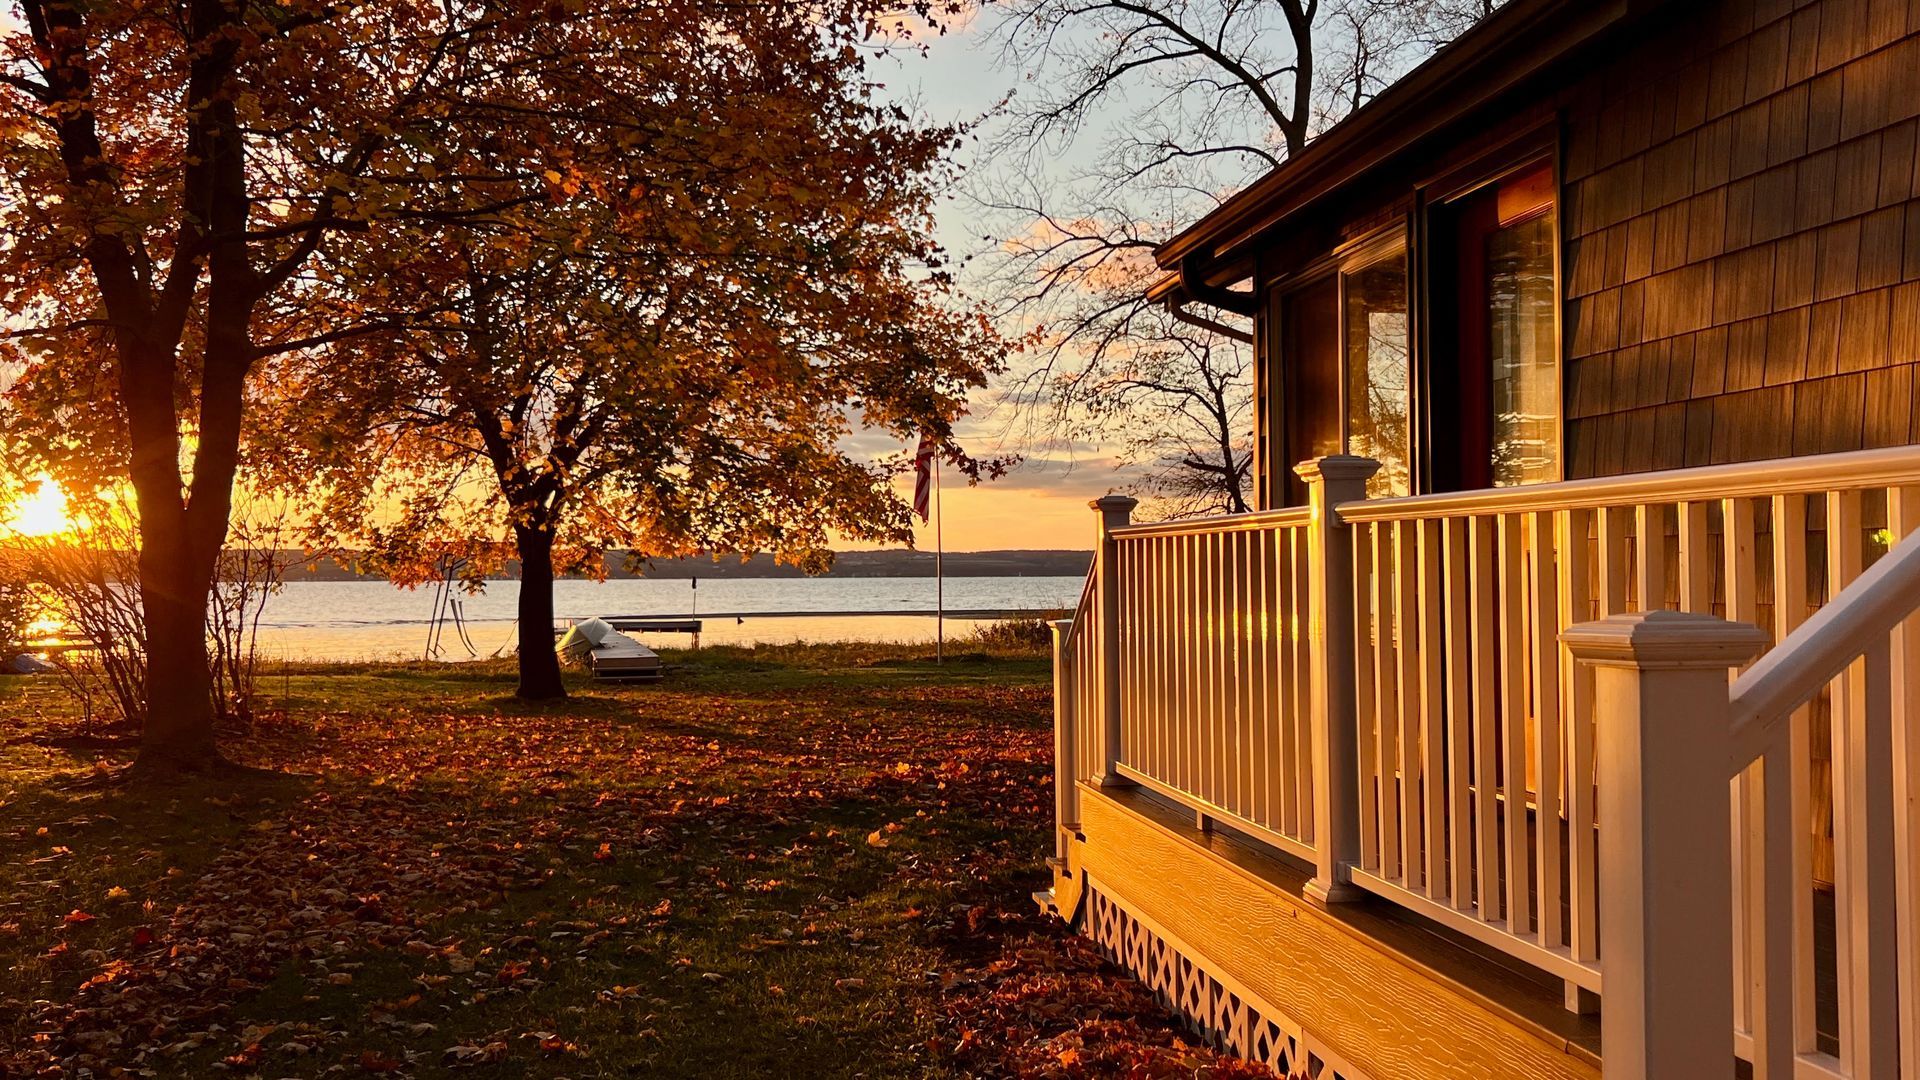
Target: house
point(1554, 711)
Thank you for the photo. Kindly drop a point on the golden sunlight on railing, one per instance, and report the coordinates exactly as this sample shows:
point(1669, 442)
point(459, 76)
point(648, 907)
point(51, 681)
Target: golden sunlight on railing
point(1381, 688)
point(1476, 730)
point(1214, 673)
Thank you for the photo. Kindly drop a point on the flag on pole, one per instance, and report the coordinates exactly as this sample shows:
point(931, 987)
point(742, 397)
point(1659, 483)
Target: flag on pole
point(923, 476)
point(926, 502)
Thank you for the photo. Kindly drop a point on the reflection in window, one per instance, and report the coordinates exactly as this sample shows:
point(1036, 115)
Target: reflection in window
point(1378, 374)
point(1310, 379)
point(1520, 346)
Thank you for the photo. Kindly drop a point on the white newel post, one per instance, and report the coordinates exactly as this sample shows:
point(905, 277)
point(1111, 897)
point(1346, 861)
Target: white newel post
point(1066, 809)
point(1115, 512)
point(1331, 481)
point(1665, 843)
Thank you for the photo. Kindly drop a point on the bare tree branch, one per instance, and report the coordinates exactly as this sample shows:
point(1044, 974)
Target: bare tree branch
point(1145, 115)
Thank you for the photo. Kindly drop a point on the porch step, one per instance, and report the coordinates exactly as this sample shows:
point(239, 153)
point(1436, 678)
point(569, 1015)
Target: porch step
point(1044, 898)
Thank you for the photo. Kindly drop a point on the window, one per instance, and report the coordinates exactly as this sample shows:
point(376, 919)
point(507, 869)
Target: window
point(1378, 371)
point(1521, 341)
point(1474, 399)
point(1308, 409)
point(1342, 367)
point(1496, 419)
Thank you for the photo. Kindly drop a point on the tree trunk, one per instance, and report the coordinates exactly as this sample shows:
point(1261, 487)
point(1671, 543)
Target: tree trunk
point(178, 733)
point(181, 532)
point(539, 664)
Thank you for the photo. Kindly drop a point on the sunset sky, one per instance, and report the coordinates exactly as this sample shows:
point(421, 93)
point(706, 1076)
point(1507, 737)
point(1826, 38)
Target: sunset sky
point(1043, 502)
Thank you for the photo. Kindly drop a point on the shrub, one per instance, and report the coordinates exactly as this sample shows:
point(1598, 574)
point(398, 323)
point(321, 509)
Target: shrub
point(261, 548)
point(1019, 635)
point(19, 608)
point(89, 580)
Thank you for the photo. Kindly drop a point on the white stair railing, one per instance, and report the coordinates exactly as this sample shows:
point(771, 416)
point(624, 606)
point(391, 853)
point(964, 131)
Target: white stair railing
point(1671, 730)
point(1851, 644)
point(1475, 729)
point(1075, 693)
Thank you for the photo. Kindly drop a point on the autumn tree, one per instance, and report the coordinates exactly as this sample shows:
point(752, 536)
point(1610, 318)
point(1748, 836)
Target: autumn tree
point(1137, 118)
point(176, 174)
point(662, 337)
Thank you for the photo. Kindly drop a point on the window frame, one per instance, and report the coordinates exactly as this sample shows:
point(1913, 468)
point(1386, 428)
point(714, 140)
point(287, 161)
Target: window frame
point(1278, 392)
point(1437, 199)
point(1362, 253)
point(1385, 241)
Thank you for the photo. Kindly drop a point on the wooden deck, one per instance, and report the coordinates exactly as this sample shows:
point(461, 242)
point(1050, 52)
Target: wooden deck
point(1371, 990)
point(1173, 857)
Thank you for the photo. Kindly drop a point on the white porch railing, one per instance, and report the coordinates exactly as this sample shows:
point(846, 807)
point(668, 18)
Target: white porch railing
point(1075, 700)
point(1380, 687)
point(1215, 669)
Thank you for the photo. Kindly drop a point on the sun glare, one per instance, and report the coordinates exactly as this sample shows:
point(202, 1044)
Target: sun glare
point(42, 511)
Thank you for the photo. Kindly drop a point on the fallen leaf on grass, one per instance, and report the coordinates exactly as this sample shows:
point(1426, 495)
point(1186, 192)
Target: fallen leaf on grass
point(551, 1043)
point(468, 1054)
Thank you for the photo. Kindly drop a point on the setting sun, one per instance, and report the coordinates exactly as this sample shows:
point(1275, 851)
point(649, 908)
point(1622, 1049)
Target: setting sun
point(42, 511)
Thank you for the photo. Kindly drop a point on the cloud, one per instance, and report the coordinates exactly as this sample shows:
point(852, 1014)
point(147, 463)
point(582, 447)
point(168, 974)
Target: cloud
point(1084, 477)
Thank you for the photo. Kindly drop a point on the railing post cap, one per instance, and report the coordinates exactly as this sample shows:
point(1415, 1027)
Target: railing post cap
point(1337, 467)
point(1664, 639)
point(1106, 503)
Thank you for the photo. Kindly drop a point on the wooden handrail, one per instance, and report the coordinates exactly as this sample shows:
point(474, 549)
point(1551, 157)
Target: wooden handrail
point(1850, 471)
point(1287, 517)
point(1791, 673)
point(1086, 596)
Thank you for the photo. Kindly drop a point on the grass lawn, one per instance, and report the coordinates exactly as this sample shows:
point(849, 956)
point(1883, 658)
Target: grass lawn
point(795, 862)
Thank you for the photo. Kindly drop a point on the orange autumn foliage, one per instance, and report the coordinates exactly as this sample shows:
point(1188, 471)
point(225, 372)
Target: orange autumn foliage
point(698, 280)
point(199, 195)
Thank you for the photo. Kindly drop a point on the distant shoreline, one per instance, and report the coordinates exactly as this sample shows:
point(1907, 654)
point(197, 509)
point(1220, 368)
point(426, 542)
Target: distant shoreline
point(895, 563)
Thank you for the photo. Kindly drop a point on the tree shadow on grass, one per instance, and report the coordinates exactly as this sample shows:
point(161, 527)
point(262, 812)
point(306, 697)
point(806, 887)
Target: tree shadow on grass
point(691, 883)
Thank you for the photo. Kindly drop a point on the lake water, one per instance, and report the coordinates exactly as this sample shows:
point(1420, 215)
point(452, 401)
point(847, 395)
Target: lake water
point(371, 620)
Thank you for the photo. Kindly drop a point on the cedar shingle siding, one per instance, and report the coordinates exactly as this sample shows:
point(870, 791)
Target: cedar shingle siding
point(1742, 263)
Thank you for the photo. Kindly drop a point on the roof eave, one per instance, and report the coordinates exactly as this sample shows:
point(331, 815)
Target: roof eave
point(1508, 46)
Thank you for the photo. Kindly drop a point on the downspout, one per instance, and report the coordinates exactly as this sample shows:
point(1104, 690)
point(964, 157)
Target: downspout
point(1195, 285)
point(1194, 288)
point(1179, 309)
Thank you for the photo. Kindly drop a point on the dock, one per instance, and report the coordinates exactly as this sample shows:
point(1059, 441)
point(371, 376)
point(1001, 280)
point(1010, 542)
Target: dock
point(643, 622)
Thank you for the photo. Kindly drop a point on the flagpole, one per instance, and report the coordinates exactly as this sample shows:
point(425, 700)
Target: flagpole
point(939, 572)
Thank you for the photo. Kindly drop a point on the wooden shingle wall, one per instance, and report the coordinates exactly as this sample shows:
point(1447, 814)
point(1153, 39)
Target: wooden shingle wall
point(1743, 238)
